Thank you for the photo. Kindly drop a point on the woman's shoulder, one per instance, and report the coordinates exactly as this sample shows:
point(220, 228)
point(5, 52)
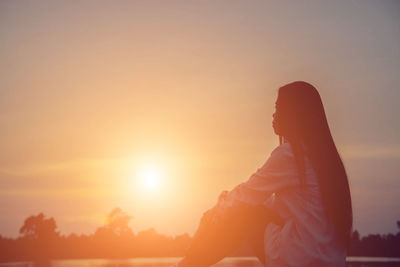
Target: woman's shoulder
point(282, 151)
point(281, 158)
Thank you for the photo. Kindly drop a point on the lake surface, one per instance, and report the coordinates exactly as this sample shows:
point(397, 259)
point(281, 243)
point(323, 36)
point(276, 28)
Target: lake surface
point(168, 262)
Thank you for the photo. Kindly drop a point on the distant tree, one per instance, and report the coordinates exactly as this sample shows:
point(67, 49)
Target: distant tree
point(355, 244)
point(40, 241)
point(118, 222)
point(355, 237)
point(39, 237)
point(115, 238)
point(181, 243)
point(38, 227)
point(154, 244)
point(117, 225)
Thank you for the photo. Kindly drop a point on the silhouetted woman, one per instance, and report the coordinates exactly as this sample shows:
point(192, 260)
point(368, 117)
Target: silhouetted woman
point(296, 209)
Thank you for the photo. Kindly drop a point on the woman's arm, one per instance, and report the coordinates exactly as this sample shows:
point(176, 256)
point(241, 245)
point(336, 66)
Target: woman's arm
point(278, 172)
point(241, 214)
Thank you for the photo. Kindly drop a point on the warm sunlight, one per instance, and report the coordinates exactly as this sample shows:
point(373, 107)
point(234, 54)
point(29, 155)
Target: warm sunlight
point(123, 122)
point(150, 177)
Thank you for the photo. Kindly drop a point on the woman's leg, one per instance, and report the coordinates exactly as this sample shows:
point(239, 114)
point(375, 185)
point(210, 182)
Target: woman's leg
point(213, 241)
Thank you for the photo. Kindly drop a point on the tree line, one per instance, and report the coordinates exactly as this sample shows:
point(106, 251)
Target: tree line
point(39, 239)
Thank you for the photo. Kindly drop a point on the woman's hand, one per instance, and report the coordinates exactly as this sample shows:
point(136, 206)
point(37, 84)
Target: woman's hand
point(208, 214)
point(223, 195)
point(220, 207)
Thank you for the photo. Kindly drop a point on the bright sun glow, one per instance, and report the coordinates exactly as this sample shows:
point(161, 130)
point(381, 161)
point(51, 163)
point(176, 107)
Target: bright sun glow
point(150, 177)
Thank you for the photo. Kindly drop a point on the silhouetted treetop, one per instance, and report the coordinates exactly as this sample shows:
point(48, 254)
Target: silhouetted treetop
point(39, 227)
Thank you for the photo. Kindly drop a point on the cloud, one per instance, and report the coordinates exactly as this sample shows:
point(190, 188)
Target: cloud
point(71, 165)
point(76, 193)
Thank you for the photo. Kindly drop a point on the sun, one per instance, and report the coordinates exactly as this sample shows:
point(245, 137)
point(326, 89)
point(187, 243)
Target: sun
point(150, 177)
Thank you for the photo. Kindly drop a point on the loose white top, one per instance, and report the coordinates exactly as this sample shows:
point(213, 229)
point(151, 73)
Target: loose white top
point(306, 239)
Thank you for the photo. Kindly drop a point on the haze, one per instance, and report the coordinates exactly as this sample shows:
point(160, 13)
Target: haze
point(91, 91)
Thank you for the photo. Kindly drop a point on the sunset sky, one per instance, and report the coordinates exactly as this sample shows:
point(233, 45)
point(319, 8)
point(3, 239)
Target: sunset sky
point(95, 96)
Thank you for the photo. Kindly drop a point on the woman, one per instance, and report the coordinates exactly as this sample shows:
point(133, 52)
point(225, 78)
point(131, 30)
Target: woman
point(303, 181)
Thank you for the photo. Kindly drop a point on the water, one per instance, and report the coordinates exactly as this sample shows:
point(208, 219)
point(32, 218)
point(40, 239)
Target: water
point(168, 262)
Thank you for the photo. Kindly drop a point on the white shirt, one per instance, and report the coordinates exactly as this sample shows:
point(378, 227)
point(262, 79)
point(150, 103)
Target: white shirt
point(306, 239)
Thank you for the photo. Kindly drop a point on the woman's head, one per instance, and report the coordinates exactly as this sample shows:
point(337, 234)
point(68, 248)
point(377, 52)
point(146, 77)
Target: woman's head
point(300, 118)
point(299, 111)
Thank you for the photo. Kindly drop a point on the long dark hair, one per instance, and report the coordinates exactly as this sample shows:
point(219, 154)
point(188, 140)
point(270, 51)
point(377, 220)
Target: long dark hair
point(302, 121)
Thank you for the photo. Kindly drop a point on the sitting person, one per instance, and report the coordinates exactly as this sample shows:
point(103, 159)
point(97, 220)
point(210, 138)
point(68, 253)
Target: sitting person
point(296, 209)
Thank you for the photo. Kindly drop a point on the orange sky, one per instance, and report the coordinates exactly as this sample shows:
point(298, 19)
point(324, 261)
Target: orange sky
point(91, 92)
